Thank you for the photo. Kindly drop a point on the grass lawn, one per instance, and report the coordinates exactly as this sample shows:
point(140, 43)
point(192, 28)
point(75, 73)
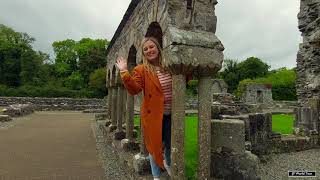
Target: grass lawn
point(280, 123)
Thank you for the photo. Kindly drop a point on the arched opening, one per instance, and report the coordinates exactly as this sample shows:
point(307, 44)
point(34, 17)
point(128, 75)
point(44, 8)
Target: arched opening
point(132, 58)
point(113, 75)
point(259, 96)
point(154, 30)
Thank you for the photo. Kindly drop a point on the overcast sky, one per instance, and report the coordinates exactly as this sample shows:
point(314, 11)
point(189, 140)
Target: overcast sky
point(263, 28)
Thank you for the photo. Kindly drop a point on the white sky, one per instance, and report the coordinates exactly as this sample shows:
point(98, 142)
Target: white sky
point(262, 28)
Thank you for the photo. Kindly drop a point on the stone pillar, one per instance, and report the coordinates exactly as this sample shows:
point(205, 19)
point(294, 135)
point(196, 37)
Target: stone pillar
point(109, 103)
point(113, 124)
point(140, 161)
point(305, 118)
point(129, 143)
point(120, 134)
point(314, 104)
point(177, 129)
point(204, 128)
point(260, 131)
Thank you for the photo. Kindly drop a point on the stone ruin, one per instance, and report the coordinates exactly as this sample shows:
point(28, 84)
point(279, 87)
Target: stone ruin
point(15, 110)
point(185, 29)
point(308, 68)
point(258, 94)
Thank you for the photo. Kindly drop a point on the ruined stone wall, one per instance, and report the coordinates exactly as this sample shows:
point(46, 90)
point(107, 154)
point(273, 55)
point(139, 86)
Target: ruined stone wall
point(54, 103)
point(308, 57)
point(257, 93)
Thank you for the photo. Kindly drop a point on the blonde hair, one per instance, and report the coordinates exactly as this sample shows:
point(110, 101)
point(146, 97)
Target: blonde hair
point(148, 66)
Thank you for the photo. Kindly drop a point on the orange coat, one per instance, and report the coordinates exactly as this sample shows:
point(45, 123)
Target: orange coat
point(151, 109)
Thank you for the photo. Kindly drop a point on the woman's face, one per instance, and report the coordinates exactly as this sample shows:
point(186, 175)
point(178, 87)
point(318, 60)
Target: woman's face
point(151, 52)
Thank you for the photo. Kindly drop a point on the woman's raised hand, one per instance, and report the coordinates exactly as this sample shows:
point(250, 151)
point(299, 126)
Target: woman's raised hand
point(122, 64)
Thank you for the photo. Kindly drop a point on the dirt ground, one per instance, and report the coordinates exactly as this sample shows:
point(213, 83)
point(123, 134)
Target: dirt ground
point(50, 146)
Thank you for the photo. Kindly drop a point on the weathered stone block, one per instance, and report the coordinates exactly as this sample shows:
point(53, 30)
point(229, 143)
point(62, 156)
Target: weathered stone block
point(230, 165)
point(128, 145)
point(260, 132)
point(141, 164)
point(228, 133)
point(5, 118)
point(100, 116)
point(119, 135)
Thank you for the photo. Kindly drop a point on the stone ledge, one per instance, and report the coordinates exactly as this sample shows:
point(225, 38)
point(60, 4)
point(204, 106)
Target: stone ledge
point(5, 118)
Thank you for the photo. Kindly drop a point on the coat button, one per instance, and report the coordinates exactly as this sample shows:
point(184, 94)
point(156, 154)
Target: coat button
point(149, 95)
point(149, 111)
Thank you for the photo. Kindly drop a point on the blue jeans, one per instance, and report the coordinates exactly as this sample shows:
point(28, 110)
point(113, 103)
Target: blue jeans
point(166, 140)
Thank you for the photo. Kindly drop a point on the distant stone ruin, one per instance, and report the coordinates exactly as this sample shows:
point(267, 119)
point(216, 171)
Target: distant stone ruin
point(258, 94)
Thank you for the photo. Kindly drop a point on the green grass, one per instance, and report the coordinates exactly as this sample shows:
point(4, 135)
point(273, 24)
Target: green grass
point(282, 123)
point(191, 141)
point(190, 146)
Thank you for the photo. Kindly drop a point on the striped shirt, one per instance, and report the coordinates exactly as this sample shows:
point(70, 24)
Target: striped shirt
point(166, 85)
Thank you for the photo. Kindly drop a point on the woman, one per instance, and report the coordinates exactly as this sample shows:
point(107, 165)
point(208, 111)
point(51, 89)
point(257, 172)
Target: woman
point(156, 84)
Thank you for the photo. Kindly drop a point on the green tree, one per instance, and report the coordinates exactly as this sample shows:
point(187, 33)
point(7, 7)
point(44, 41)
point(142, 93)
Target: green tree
point(13, 47)
point(74, 81)
point(66, 57)
point(97, 82)
point(253, 68)
point(91, 54)
point(230, 74)
point(233, 72)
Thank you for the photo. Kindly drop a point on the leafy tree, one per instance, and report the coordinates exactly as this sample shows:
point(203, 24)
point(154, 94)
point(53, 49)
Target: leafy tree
point(91, 54)
point(253, 68)
point(230, 74)
point(98, 82)
point(66, 57)
point(13, 45)
point(74, 81)
point(233, 72)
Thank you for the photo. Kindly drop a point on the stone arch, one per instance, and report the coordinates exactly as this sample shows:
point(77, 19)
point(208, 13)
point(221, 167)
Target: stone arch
point(132, 57)
point(155, 30)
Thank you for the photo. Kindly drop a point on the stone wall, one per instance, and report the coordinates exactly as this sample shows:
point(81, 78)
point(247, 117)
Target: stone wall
point(55, 103)
point(257, 94)
point(308, 57)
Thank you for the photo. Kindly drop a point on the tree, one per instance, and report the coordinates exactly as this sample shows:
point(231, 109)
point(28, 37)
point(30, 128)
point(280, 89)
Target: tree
point(97, 82)
point(13, 45)
point(230, 74)
point(253, 68)
point(233, 72)
point(91, 55)
point(66, 57)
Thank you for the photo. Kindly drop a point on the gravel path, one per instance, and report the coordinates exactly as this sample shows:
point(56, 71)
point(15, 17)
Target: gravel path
point(108, 158)
point(278, 165)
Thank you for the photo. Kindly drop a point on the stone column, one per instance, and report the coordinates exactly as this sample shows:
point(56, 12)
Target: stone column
point(120, 134)
point(130, 117)
point(109, 103)
point(109, 106)
point(204, 128)
point(141, 163)
point(129, 143)
point(113, 124)
point(177, 126)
